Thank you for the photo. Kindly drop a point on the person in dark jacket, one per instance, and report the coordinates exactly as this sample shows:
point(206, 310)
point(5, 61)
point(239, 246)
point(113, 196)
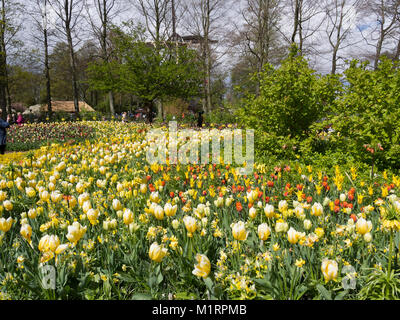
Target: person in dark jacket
point(200, 119)
point(3, 133)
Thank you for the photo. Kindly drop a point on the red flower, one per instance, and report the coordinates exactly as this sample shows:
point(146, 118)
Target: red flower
point(239, 206)
point(354, 217)
point(309, 199)
point(270, 184)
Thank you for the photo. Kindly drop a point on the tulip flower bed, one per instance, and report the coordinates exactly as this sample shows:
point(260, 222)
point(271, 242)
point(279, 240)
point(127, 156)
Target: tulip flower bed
point(112, 226)
point(33, 136)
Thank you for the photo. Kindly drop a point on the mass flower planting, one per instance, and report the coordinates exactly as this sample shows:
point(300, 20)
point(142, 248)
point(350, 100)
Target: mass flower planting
point(96, 220)
point(31, 136)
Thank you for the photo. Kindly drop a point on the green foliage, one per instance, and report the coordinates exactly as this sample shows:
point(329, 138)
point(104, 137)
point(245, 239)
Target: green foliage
point(146, 71)
point(367, 114)
point(291, 98)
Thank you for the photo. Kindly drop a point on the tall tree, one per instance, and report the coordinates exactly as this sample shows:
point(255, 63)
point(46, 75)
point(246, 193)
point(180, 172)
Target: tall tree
point(306, 21)
point(100, 22)
point(69, 12)
point(9, 27)
point(340, 16)
point(40, 15)
point(259, 38)
point(203, 19)
point(386, 13)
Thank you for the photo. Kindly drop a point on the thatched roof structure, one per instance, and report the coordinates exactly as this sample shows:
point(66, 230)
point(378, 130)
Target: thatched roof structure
point(67, 106)
point(60, 106)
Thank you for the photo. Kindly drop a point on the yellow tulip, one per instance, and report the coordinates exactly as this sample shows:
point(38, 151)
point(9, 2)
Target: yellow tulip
point(116, 204)
point(92, 215)
point(264, 231)
point(128, 216)
point(329, 269)
point(75, 232)
point(203, 266)
point(5, 225)
point(157, 252)
point(170, 210)
point(239, 231)
point(317, 209)
point(61, 248)
point(8, 205)
point(363, 226)
point(32, 213)
point(30, 192)
point(190, 224)
point(281, 226)
point(293, 236)
point(252, 212)
point(269, 211)
point(26, 232)
point(282, 206)
point(159, 212)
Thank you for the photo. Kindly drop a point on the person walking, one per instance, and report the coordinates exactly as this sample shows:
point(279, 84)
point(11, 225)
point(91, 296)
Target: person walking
point(3, 133)
point(20, 119)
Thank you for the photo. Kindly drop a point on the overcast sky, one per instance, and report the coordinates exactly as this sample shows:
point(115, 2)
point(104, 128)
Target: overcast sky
point(354, 46)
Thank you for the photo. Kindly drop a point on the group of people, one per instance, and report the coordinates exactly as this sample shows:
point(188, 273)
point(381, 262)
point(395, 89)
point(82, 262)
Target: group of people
point(4, 124)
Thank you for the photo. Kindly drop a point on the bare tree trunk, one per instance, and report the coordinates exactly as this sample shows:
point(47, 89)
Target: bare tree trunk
point(3, 63)
point(46, 65)
point(73, 69)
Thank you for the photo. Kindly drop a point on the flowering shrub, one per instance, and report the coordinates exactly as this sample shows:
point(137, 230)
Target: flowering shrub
point(115, 227)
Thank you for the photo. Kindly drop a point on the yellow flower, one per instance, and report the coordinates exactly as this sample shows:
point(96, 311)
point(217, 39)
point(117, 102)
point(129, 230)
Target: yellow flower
point(8, 205)
point(264, 231)
point(157, 252)
point(5, 225)
point(317, 209)
point(203, 266)
point(363, 226)
point(281, 226)
point(128, 216)
point(329, 269)
point(49, 243)
point(26, 232)
point(159, 212)
point(170, 210)
point(269, 211)
point(239, 231)
point(190, 224)
point(116, 204)
point(300, 263)
point(319, 232)
point(92, 215)
point(293, 236)
point(75, 232)
point(252, 212)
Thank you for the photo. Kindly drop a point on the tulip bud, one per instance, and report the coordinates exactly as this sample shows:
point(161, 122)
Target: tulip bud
point(269, 211)
point(329, 269)
point(307, 224)
point(363, 226)
point(8, 205)
point(252, 212)
point(239, 231)
point(157, 252)
point(116, 204)
point(264, 231)
point(203, 266)
point(317, 209)
point(26, 232)
point(368, 237)
point(128, 216)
